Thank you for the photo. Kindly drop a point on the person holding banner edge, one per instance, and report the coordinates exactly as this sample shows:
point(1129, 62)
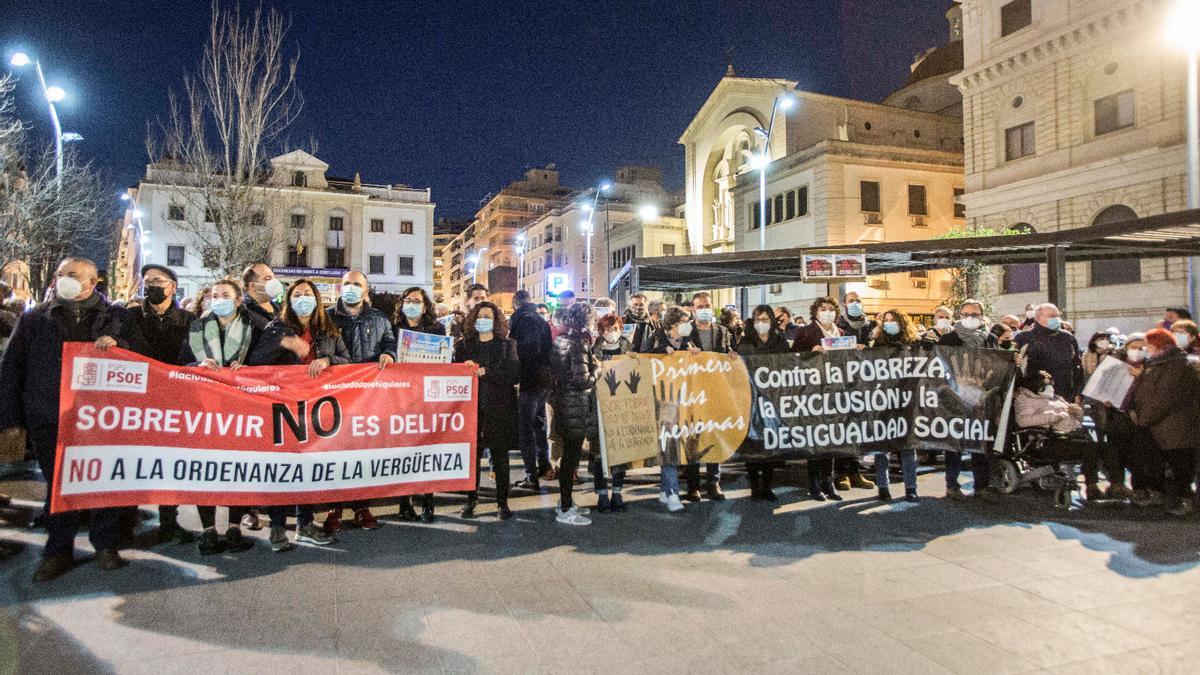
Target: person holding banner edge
point(762, 337)
point(416, 312)
point(612, 343)
point(222, 339)
point(709, 336)
point(969, 332)
point(30, 375)
point(824, 318)
point(674, 333)
point(302, 335)
point(157, 329)
point(485, 344)
point(895, 330)
point(369, 338)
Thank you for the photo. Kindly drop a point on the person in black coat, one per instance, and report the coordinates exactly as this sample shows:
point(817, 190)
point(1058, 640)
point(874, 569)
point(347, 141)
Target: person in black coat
point(709, 336)
point(1166, 400)
point(969, 331)
point(854, 321)
point(262, 288)
point(30, 374)
point(823, 315)
point(644, 324)
point(157, 329)
point(485, 343)
point(416, 313)
point(574, 401)
point(762, 336)
point(674, 333)
point(532, 335)
point(302, 335)
point(610, 344)
point(1047, 347)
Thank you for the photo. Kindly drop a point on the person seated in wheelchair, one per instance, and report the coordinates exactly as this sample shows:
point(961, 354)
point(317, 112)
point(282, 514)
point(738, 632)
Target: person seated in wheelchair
point(1038, 407)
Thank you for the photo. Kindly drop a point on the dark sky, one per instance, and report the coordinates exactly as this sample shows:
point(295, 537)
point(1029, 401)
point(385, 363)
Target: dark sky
point(462, 96)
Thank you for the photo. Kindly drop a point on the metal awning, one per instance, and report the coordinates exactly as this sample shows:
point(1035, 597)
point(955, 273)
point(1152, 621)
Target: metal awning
point(1175, 234)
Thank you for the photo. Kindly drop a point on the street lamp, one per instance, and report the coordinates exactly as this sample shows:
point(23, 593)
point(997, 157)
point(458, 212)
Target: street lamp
point(1181, 31)
point(521, 261)
point(591, 211)
point(648, 212)
point(761, 161)
point(475, 259)
point(53, 95)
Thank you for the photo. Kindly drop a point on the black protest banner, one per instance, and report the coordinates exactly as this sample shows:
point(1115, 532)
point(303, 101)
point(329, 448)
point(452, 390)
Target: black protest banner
point(850, 402)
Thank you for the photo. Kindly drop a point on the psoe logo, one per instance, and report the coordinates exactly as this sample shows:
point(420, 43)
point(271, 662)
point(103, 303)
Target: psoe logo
point(442, 388)
point(90, 374)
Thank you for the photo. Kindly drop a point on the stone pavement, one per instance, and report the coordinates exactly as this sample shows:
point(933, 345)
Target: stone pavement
point(729, 587)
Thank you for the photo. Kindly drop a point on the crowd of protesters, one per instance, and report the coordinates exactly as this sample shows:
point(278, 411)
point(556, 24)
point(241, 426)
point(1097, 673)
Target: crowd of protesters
point(538, 369)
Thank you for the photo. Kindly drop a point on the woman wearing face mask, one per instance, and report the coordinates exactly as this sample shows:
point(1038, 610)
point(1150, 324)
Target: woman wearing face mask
point(1134, 444)
point(1030, 317)
point(1185, 334)
point(896, 331)
point(943, 323)
point(1166, 400)
point(222, 338)
point(485, 343)
point(416, 313)
point(763, 337)
point(304, 334)
point(610, 345)
point(574, 403)
point(732, 323)
point(1099, 346)
point(674, 333)
point(824, 315)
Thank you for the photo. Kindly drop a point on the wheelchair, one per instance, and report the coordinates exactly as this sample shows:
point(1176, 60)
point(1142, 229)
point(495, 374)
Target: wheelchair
point(1041, 457)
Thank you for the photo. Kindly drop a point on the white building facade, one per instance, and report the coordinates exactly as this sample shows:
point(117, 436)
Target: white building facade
point(324, 226)
point(1074, 115)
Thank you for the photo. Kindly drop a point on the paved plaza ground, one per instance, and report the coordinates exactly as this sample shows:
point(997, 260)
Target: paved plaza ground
point(736, 586)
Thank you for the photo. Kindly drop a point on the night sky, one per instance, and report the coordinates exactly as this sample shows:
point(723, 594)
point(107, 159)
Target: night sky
point(462, 96)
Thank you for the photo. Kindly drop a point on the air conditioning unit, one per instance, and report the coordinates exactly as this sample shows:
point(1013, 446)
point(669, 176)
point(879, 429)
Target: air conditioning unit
point(920, 283)
point(878, 283)
point(872, 219)
point(919, 221)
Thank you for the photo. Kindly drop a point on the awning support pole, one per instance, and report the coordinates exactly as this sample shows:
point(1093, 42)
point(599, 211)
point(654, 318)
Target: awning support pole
point(1056, 277)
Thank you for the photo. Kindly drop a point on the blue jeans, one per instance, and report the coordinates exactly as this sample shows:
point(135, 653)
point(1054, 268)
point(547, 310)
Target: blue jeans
point(601, 481)
point(670, 479)
point(908, 469)
point(532, 436)
point(279, 515)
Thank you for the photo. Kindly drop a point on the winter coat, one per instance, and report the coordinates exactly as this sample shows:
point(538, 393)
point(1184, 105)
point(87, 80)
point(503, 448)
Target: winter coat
point(32, 367)
point(862, 333)
point(368, 335)
point(497, 428)
point(660, 341)
point(257, 325)
point(270, 352)
point(644, 329)
point(1034, 410)
point(722, 341)
point(252, 305)
point(953, 339)
point(159, 337)
point(574, 395)
point(752, 343)
point(603, 351)
point(1166, 399)
point(810, 335)
point(532, 335)
point(1055, 352)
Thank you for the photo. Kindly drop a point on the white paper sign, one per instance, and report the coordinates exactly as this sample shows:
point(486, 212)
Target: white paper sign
point(1110, 382)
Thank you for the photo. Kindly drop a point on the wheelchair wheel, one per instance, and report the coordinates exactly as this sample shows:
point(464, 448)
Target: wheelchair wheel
point(1005, 476)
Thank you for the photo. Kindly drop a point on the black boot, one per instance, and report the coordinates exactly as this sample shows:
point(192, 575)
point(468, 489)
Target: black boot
point(427, 509)
point(767, 494)
point(468, 511)
point(692, 476)
point(814, 488)
point(755, 480)
point(407, 512)
point(828, 489)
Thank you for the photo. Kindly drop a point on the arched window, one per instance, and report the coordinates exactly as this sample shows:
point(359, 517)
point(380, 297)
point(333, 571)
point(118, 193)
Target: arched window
point(1022, 277)
point(1115, 272)
point(299, 179)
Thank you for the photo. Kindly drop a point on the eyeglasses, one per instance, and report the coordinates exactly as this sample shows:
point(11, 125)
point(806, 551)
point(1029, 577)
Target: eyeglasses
point(157, 283)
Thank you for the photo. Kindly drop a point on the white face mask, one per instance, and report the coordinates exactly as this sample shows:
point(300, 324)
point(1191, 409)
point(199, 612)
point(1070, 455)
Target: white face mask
point(1048, 392)
point(67, 288)
point(1182, 340)
point(612, 336)
point(942, 324)
point(826, 316)
point(763, 327)
point(685, 329)
point(1029, 314)
point(273, 288)
point(970, 323)
point(1136, 355)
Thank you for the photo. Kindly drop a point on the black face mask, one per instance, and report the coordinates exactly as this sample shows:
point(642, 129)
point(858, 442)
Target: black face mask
point(155, 295)
point(1006, 344)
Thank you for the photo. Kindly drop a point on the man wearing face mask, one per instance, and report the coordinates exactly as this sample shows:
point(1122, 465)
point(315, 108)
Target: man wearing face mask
point(1047, 347)
point(969, 331)
point(531, 332)
point(644, 324)
point(157, 329)
point(262, 290)
point(368, 335)
point(29, 380)
point(854, 321)
point(710, 336)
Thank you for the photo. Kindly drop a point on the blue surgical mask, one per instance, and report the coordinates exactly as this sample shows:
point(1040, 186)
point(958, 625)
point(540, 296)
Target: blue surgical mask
point(704, 315)
point(1054, 323)
point(304, 304)
point(223, 307)
point(891, 327)
point(854, 309)
point(484, 325)
point(413, 310)
point(351, 295)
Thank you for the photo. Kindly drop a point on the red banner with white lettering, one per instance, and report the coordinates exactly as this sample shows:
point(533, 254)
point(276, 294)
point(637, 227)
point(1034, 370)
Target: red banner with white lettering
point(136, 431)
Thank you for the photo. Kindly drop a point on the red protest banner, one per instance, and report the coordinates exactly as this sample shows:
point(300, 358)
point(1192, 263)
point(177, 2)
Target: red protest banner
point(136, 431)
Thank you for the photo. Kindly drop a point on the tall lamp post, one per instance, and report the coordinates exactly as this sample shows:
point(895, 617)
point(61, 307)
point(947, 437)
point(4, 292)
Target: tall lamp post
point(476, 259)
point(520, 261)
point(604, 186)
point(762, 161)
point(1181, 29)
point(53, 95)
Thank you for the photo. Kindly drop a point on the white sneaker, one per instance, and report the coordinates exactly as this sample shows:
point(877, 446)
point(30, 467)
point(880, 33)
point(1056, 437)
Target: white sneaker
point(572, 517)
point(581, 510)
point(673, 503)
point(662, 498)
